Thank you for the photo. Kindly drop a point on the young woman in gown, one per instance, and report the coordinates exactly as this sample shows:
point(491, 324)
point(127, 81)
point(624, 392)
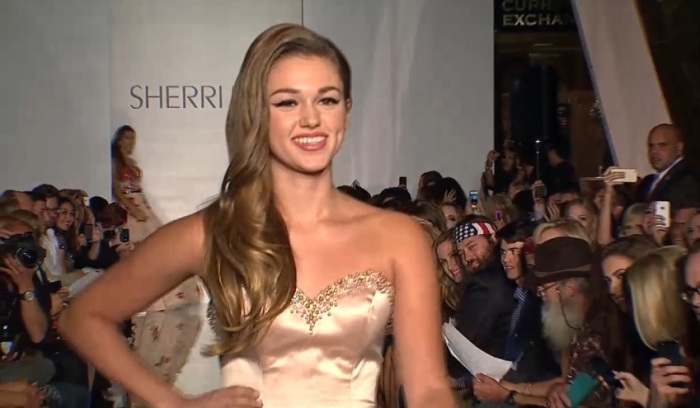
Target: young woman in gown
point(303, 278)
point(141, 221)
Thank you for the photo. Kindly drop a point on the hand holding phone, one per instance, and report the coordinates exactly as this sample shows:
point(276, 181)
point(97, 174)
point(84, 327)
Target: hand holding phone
point(605, 372)
point(662, 210)
point(473, 197)
point(580, 389)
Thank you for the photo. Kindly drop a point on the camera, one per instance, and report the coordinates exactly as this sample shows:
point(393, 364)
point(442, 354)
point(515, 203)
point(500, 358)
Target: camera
point(24, 247)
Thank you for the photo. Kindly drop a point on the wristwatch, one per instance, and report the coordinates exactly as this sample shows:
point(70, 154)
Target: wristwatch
point(28, 295)
point(511, 398)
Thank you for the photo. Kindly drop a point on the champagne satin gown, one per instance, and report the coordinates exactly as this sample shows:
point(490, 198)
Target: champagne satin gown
point(321, 352)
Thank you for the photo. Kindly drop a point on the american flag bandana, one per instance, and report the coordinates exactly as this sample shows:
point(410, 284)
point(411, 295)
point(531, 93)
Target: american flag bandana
point(471, 229)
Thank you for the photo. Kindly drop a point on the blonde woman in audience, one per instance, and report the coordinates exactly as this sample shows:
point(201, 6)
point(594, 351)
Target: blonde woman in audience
point(560, 228)
point(500, 209)
point(661, 316)
point(633, 220)
point(585, 212)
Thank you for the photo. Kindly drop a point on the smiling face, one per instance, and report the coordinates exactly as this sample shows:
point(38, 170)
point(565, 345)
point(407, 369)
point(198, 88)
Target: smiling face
point(308, 113)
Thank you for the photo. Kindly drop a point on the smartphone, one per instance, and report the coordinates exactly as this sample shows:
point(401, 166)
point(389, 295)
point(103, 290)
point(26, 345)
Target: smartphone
point(402, 182)
point(54, 287)
point(540, 192)
point(603, 369)
point(474, 197)
point(630, 175)
point(580, 389)
point(672, 351)
point(663, 209)
point(87, 231)
point(124, 235)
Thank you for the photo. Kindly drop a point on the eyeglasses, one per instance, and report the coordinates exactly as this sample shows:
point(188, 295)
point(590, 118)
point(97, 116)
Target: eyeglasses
point(689, 293)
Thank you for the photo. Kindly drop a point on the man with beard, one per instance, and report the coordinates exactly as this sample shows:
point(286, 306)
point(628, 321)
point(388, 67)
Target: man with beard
point(533, 360)
point(571, 316)
point(486, 305)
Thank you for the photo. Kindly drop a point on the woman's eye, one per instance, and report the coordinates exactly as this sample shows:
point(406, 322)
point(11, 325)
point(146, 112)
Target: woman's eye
point(285, 104)
point(329, 101)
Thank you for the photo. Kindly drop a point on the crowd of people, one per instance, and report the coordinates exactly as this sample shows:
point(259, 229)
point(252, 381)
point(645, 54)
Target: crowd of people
point(569, 281)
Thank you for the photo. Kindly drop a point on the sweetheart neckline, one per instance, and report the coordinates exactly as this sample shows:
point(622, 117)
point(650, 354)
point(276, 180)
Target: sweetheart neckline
point(299, 291)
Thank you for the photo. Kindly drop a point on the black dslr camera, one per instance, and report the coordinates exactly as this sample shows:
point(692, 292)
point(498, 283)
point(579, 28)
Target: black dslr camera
point(24, 247)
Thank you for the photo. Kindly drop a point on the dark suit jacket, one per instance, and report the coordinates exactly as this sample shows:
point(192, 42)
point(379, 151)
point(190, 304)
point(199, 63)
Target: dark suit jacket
point(484, 311)
point(680, 186)
point(527, 347)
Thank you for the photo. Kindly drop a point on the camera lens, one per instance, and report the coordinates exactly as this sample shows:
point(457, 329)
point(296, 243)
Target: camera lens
point(28, 257)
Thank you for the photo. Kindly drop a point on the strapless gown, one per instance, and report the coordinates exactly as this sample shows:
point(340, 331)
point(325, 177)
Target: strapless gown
point(321, 352)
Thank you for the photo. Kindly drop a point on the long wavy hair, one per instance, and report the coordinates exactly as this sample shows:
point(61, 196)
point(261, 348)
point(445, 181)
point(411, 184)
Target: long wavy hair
point(450, 291)
point(249, 266)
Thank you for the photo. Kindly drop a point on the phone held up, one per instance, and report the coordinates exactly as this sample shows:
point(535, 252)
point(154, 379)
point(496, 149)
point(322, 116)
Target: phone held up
point(403, 183)
point(540, 192)
point(473, 197)
point(662, 209)
point(671, 350)
point(606, 373)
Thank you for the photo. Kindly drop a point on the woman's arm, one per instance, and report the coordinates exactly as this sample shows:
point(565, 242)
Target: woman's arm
point(417, 329)
point(91, 323)
point(605, 224)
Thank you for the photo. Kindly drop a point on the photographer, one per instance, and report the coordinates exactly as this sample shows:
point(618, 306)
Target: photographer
point(23, 320)
point(25, 325)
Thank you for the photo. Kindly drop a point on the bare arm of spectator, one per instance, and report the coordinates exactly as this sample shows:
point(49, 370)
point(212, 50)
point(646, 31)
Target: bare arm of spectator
point(35, 320)
point(605, 224)
point(489, 179)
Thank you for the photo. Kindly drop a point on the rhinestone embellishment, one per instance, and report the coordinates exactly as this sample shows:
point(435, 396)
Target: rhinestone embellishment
point(313, 309)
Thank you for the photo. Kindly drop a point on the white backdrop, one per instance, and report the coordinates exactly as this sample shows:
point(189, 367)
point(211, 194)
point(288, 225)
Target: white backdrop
point(54, 94)
point(423, 87)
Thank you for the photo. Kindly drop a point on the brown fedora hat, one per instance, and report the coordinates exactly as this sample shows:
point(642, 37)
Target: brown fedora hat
point(560, 259)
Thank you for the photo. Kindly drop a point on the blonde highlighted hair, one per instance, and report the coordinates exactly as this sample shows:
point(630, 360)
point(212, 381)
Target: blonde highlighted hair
point(654, 289)
point(249, 265)
point(569, 228)
point(449, 289)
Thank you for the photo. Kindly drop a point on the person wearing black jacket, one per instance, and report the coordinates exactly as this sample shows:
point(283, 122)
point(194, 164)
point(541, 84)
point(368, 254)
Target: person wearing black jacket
point(484, 311)
point(533, 360)
point(674, 180)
